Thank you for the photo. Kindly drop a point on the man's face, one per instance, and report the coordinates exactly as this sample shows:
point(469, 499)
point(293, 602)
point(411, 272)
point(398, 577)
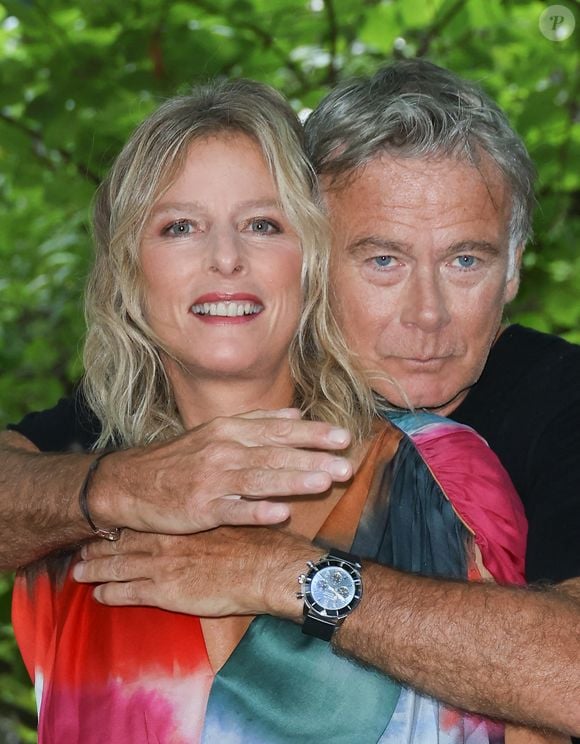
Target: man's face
point(419, 274)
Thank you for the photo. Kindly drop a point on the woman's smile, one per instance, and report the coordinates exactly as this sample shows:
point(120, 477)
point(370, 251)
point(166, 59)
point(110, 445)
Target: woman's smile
point(219, 308)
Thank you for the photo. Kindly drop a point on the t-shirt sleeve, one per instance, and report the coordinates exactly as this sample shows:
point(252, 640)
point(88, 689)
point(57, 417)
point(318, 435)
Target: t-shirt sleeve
point(69, 426)
point(527, 405)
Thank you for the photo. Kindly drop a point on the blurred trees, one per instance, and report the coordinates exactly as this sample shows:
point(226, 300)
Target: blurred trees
point(76, 77)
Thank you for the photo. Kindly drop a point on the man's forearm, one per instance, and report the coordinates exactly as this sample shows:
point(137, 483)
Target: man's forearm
point(179, 486)
point(38, 501)
point(507, 653)
point(502, 652)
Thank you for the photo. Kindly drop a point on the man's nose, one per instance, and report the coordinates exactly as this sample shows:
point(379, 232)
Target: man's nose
point(225, 252)
point(425, 304)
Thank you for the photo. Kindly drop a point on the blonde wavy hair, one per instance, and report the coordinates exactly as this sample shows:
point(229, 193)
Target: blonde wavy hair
point(125, 380)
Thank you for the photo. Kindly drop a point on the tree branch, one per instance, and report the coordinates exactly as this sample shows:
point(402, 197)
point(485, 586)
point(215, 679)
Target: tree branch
point(437, 27)
point(36, 138)
point(268, 41)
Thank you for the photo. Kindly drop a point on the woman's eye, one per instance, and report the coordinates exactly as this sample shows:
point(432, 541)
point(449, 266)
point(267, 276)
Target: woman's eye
point(466, 262)
point(178, 228)
point(263, 226)
point(383, 262)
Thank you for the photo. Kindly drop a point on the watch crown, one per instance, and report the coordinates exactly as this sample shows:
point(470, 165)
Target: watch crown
point(301, 579)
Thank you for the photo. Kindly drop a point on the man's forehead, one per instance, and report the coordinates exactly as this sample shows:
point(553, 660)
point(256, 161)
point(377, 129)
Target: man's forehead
point(386, 166)
point(423, 187)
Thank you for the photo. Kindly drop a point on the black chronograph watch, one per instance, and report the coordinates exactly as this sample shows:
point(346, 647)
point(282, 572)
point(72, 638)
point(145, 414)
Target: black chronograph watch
point(331, 590)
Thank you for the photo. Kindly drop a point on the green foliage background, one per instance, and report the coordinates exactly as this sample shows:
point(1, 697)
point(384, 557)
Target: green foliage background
point(76, 77)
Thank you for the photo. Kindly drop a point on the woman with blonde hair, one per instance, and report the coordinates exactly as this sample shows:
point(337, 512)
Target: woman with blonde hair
point(208, 298)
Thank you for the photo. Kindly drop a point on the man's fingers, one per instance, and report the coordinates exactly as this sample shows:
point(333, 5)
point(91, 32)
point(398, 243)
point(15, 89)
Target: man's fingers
point(254, 483)
point(262, 459)
point(278, 430)
point(99, 548)
point(241, 512)
point(129, 542)
point(113, 568)
point(290, 413)
point(128, 593)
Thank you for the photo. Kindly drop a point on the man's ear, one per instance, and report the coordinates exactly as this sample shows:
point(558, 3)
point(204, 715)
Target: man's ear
point(513, 283)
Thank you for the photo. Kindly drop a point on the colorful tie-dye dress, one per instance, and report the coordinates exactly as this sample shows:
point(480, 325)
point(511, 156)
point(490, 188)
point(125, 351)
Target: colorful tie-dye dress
point(430, 497)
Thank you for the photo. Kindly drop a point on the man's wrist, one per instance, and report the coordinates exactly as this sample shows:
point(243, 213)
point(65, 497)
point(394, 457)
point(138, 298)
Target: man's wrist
point(289, 561)
point(102, 505)
point(103, 532)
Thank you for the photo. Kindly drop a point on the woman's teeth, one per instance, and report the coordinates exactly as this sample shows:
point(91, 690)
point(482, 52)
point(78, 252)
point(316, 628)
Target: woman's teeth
point(226, 309)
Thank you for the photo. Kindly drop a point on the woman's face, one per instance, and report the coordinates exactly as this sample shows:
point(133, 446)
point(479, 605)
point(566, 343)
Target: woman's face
point(222, 265)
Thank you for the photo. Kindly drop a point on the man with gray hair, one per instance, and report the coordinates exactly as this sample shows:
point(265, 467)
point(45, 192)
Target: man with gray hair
point(429, 186)
point(430, 195)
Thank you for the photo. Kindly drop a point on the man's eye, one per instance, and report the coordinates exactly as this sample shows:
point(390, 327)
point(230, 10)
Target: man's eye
point(466, 262)
point(178, 228)
point(382, 262)
point(263, 226)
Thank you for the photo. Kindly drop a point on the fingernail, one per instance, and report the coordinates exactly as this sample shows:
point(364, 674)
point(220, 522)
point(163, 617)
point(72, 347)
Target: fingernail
point(289, 413)
point(338, 436)
point(278, 512)
point(84, 551)
point(316, 480)
point(78, 571)
point(339, 468)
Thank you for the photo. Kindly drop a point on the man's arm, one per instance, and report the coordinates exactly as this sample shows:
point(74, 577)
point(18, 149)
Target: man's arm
point(182, 485)
point(505, 652)
point(499, 651)
point(38, 501)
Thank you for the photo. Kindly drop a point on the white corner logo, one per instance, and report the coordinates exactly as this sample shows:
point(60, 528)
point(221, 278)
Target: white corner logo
point(557, 23)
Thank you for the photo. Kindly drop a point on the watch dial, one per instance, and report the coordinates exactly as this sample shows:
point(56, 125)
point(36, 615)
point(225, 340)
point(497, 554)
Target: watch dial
point(332, 588)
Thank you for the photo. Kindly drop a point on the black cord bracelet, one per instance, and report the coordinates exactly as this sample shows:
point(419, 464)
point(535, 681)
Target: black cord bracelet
point(107, 534)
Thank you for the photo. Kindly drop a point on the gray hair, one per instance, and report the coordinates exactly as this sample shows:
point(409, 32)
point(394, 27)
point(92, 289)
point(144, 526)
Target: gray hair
point(417, 109)
point(125, 379)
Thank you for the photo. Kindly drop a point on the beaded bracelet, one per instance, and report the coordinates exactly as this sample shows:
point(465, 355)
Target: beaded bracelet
point(106, 534)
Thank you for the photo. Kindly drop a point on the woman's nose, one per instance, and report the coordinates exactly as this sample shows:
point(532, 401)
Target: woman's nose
point(226, 253)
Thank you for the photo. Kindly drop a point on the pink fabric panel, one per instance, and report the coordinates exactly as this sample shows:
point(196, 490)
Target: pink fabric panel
point(481, 493)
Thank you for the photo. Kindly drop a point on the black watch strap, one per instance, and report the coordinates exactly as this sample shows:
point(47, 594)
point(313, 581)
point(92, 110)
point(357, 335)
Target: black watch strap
point(314, 626)
point(342, 556)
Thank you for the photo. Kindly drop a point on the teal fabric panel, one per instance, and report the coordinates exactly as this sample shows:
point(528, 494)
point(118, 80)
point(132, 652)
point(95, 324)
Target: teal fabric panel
point(282, 686)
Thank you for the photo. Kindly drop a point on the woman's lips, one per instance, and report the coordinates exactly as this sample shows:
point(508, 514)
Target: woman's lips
point(216, 307)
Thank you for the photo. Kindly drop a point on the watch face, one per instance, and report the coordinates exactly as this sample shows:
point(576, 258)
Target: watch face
point(332, 588)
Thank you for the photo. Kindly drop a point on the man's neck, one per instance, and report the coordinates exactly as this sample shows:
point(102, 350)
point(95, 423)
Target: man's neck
point(447, 408)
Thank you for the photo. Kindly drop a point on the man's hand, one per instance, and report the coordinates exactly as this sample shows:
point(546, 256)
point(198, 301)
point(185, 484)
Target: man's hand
point(406, 625)
point(219, 473)
point(226, 571)
point(223, 472)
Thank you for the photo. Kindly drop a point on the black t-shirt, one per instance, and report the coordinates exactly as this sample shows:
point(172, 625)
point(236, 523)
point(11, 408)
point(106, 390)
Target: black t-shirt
point(70, 426)
point(526, 404)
